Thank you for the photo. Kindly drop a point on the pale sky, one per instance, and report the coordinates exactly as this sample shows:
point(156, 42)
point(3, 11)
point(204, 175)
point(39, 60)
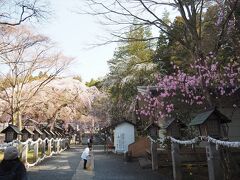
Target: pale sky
point(73, 33)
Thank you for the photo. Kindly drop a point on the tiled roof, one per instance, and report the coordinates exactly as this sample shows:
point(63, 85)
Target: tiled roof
point(38, 131)
point(13, 127)
point(28, 130)
point(46, 132)
point(202, 117)
point(168, 121)
point(152, 124)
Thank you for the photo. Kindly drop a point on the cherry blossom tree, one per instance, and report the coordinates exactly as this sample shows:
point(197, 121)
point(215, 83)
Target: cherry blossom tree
point(65, 99)
point(22, 55)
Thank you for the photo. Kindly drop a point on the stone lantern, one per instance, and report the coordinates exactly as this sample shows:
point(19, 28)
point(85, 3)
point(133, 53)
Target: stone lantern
point(173, 127)
point(37, 133)
point(26, 134)
point(11, 132)
point(45, 134)
point(214, 124)
point(53, 134)
point(211, 123)
point(58, 129)
point(152, 130)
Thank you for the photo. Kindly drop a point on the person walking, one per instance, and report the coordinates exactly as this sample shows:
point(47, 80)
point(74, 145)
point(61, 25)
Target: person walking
point(11, 168)
point(85, 155)
point(90, 141)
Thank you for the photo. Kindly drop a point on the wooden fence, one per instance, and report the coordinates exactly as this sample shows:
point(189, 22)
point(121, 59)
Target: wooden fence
point(40, 149)
point(212, 146)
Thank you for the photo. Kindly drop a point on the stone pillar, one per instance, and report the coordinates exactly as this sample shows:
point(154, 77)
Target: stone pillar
point(215, 171)
point(58, 146)
point(50, 147)
point(176, 161)
point(43, 147)
point(24, 153)
point(54, 145)
point(154, 155)
point(35, 155)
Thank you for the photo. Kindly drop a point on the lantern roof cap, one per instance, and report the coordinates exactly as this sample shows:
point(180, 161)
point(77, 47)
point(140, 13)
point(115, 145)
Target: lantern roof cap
point(46, 131)
point(152, 124)
point(53, 133)
point(58, 127)
point(37, 130)
point(202, 117)
point(13, 127)
point(168, 121)
point(28, 130)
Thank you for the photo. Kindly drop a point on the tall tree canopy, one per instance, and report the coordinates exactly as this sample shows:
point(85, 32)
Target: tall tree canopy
point(130, 67)
point(198, 49)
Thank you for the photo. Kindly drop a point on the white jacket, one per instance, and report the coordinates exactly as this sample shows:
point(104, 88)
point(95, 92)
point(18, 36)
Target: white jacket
point(85, 153)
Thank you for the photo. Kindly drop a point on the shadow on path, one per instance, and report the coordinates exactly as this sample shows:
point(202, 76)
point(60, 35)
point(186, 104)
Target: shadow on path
point(68, 166)
point(59, 167)
point(113, 167)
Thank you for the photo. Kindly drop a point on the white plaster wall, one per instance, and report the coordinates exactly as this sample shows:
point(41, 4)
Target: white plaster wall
point(127, 130)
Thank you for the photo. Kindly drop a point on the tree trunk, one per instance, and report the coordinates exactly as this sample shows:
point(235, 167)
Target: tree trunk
point(17, 119)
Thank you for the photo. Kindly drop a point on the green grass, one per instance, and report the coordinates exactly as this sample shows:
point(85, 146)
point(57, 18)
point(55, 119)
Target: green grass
point(1, 155)
point(30, 156)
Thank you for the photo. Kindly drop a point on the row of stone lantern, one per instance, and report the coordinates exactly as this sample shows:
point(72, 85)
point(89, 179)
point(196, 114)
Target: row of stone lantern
point(11, 133)
point(209, 123)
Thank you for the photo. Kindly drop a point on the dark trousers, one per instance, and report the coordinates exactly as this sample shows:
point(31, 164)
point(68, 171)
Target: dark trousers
point(85, 164)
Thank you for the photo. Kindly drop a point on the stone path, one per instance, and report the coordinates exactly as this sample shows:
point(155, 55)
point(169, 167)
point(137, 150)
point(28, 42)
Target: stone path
point(113, 167)
point(68, 166)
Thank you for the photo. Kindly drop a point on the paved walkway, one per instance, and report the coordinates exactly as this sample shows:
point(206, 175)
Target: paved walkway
point(113, 167)
point(68, 166)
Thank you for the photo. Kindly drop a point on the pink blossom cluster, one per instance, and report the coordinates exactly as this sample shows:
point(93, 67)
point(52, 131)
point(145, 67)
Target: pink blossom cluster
point(190, 86)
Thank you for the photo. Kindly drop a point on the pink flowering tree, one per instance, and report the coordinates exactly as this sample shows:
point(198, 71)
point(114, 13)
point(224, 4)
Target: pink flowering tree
point(206, 81)
point(211, 72)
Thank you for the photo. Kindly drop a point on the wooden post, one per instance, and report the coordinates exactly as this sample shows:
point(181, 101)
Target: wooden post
point(58, 146)
point(35, 155)
point(176, 161)
point(215, 171)
point(43, 147)
point(24, 153)
point(54, 145)
point(50, 147)
point(64, 143)
point(154, 156)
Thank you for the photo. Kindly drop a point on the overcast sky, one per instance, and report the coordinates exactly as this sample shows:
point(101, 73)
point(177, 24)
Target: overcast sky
point(73, 33)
